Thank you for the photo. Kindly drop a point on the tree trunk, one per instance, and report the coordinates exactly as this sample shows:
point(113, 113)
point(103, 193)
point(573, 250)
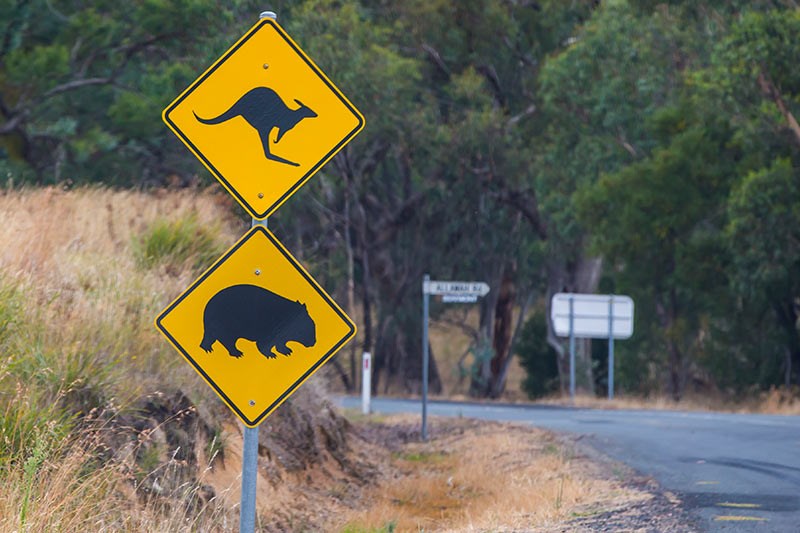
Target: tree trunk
point(499, 385)
point(503, 328)
point(581, 276)
point(351, 285)
point(787, 318)
point(482, 369)
point(668, 315)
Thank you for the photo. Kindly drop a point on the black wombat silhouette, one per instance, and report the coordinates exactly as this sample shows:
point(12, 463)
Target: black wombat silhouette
point(253, 313)
point(264, 110)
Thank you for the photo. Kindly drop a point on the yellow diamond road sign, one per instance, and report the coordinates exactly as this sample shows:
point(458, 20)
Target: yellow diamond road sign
point(263, 118)
point(255, 325)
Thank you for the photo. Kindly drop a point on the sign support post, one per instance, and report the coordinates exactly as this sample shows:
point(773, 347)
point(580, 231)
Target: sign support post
point(425, 357)
point(247, 511)
point(572, 349)
point(611, 347)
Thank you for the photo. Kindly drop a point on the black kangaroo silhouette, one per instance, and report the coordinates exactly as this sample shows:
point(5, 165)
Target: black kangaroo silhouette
point(264, 110)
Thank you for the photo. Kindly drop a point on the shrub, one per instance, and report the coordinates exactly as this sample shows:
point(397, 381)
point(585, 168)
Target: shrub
point(537, 357)
point(177, 244)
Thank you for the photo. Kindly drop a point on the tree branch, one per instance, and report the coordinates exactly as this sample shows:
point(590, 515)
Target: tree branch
point(436, 59)
point(522, 202)
point(12, 124)
point(530, 110)
point(75, 84)
point(772, 92)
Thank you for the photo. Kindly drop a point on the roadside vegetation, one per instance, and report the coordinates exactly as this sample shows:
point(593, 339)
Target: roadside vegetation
point(81, 360)
point(103, 427)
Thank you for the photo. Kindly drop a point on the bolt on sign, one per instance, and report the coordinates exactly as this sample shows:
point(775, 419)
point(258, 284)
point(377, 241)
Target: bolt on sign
point(255, 325)
point(263, 118)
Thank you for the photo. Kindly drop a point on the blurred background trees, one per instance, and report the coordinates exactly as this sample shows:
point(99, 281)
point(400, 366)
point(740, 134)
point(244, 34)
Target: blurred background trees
point(650, 148)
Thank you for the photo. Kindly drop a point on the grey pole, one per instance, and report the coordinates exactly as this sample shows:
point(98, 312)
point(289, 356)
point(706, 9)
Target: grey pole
point(571, 349)
point(611, 348)
point(425, 357)
point(247, 510)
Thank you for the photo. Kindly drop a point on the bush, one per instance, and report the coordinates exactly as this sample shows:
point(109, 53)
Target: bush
point(176, 244)
point(537, 357)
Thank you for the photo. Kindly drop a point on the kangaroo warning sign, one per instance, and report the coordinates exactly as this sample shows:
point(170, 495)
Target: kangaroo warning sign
point(263, 118)
point(255, 325)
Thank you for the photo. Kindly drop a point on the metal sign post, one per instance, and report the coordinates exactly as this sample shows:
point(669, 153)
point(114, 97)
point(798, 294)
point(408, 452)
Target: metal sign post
point(425, 356)
point(611, 347)
point(572, 349)
point(451, 292)
point(247, 511)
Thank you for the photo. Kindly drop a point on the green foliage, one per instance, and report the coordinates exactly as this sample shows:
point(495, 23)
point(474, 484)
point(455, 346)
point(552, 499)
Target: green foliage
point(764, 231)
point(77, 83)
point(537, 357)
point(173, 244)
point(29, 419)
point(30, 469)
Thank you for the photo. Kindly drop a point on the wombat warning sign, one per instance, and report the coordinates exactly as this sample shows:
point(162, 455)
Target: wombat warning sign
point(255, 325)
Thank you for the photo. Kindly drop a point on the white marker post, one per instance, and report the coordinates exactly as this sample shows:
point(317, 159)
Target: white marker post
point(366, 382)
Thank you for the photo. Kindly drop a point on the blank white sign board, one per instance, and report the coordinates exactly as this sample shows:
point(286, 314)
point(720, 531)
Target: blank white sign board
point(590, 315)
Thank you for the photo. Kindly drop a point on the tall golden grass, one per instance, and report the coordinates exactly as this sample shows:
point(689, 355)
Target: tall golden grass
point(76, 334)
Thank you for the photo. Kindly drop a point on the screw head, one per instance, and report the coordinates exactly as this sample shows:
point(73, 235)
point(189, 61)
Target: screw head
point(252, 403)
point(260, 195)
point(258, 272)
point(266, 66)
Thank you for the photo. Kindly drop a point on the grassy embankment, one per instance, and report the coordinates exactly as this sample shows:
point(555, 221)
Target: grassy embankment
point(82, 275)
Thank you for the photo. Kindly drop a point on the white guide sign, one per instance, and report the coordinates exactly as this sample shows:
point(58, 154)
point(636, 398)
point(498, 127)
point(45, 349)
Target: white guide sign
point(592, 315)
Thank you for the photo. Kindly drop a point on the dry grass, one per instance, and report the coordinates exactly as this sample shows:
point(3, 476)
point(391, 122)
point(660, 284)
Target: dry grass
point(487, 477)
point(64, 489)
point(76, 333)
point(88, 306)
point(774, 402)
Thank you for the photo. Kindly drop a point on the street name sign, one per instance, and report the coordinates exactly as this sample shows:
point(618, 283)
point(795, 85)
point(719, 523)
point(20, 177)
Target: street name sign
point(255, 325)
point(263, 118)
point(591, 314)
point(462, 288)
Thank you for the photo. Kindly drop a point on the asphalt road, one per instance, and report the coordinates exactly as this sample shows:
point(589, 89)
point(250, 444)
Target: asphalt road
point(734, 472)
